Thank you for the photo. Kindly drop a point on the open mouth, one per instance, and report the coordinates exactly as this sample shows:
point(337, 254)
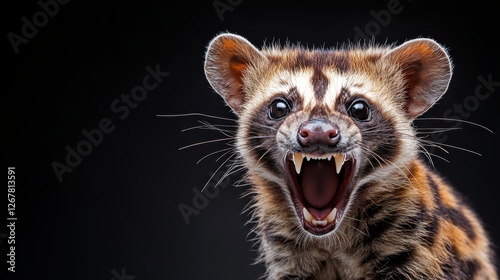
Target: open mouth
point(319, 185)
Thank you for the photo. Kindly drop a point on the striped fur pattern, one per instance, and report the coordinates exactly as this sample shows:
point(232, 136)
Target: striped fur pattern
point(398, 219)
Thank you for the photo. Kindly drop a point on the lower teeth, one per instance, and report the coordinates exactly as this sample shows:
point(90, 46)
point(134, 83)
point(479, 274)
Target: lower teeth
point(319, 223)
point(329, 219)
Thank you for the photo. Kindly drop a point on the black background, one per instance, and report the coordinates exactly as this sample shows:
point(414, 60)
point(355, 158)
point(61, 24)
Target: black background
point(118, 208)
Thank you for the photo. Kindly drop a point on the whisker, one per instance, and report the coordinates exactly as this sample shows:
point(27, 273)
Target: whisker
point(376, 157)
point(424, 142)
point(205, 127)
point(357, 229)
point(217, 170)
point(208, 126)
point(455, 120)
point(243, 183)
point(437, 156)
point(219, 125)
point(226, 173)
point(239, 167)
point(212, 153)
point(205, 142)
point(221, 156)
point(393, 164)
point(430, 143)
point(259, 163)
point(434, 144)
point(436, 130)
point(196, 114)
point(260, 137)
point(426, 153)
point(213, 127)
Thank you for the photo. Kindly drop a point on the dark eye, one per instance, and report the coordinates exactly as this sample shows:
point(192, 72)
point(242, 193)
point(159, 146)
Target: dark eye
point(360, 111)
point(278, 109)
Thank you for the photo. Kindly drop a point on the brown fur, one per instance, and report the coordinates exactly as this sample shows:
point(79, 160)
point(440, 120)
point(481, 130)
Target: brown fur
point(401, 220)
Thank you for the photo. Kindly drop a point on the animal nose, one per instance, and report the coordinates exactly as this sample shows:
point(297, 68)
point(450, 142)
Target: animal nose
point(318, 134)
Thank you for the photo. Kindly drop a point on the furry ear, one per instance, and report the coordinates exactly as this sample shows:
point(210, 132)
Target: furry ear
point(227, 60)
point(426, 71)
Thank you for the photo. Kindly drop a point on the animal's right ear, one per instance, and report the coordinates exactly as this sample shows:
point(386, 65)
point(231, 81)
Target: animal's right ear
point(228, 59)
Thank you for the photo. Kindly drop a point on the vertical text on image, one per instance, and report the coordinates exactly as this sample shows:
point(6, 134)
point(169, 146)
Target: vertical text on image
point(11, 218)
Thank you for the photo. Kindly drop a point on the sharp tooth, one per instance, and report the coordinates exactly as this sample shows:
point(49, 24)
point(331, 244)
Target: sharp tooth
point(331, 217)
point(297, 161)
point(339, 161)
point(307, 215)
point(330, 157)
point(308, 158)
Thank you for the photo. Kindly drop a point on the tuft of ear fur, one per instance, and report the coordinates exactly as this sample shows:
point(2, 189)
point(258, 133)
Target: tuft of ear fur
point(426, 70)
point(227, 60)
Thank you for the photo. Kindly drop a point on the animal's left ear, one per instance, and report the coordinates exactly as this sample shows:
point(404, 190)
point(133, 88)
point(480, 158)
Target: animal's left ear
point(426, 72)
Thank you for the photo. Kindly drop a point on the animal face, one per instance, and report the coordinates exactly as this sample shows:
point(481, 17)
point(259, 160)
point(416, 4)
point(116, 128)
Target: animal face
point(315, 125)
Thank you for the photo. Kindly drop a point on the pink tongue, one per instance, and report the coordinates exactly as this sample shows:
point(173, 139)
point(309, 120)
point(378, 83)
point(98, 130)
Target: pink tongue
point(319, 182)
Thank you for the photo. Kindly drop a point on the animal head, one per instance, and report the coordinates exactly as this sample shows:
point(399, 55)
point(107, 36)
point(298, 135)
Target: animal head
point(317, 124)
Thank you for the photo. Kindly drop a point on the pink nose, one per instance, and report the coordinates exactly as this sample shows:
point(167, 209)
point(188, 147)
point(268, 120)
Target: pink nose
point(318, 134)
